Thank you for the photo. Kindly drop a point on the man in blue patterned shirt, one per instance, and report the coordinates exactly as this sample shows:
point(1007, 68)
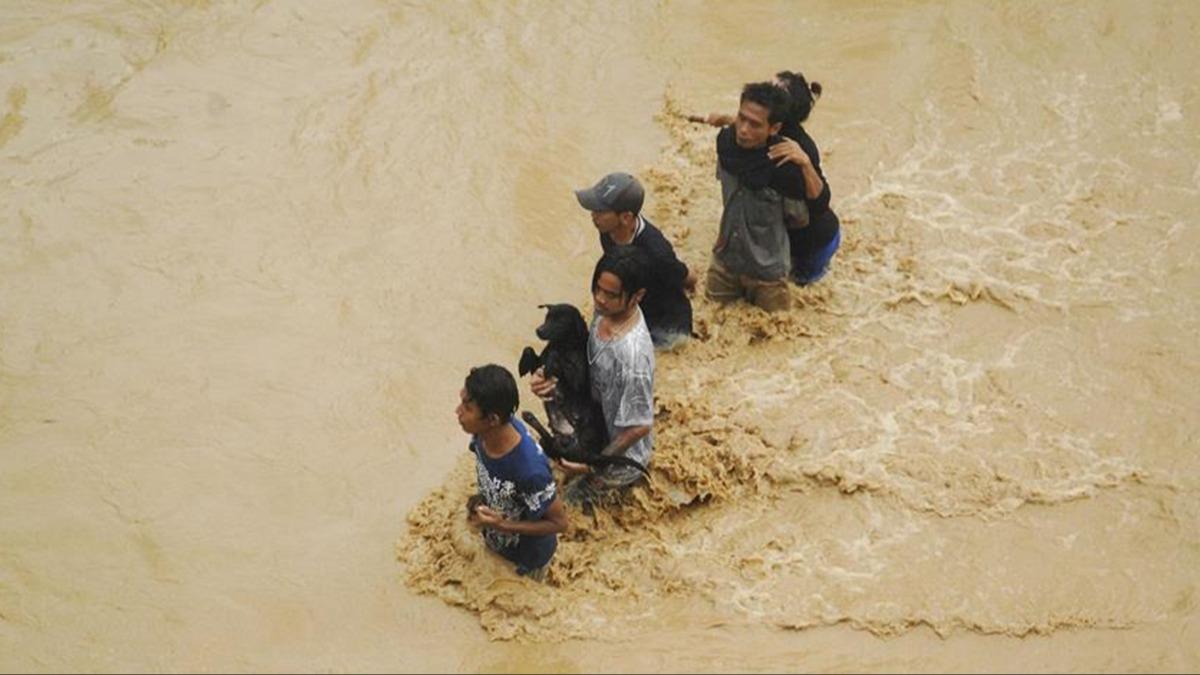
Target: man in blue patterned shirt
point(518, 509)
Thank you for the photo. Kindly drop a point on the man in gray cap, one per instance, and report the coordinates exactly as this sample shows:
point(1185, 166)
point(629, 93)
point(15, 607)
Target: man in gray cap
point(616, 205)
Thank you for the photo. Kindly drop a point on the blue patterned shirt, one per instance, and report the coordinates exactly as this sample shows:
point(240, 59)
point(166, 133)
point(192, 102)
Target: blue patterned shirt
point(518, 486)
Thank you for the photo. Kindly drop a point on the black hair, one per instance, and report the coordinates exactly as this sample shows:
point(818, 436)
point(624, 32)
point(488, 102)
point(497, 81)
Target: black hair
point(494, 390)
point(774, 99)
point(804, 95)
point(628, 263)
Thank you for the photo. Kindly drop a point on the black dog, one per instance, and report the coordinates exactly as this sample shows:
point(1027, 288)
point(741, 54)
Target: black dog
point(576, 420)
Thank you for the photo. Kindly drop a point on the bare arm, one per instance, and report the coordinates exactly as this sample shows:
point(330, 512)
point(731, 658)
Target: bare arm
point(627, 437)
point(713, 119)
point(813, 185)
point(553, 522)
point(788, 150)
point(720, 119)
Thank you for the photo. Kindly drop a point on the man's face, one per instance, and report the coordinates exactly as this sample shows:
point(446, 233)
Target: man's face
point(608, 295)
point(605, 221)
point(753, 126)
point(470, 417)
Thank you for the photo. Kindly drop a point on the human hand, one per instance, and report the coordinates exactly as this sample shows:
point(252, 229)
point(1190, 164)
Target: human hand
point(788, 150)
point(473, 505)
point(473, 502)
point(573, 468)
point(543, 387)
point(484, 515)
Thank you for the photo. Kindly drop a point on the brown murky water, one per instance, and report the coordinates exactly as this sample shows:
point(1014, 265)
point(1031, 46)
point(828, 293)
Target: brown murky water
point(249, 250)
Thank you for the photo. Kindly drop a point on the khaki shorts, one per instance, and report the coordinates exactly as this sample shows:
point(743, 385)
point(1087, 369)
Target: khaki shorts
point(722, 285)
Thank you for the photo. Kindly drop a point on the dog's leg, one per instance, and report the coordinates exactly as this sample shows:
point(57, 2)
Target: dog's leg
point(560, 424)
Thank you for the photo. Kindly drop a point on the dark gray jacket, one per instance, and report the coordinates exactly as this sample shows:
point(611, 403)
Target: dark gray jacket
point(753, 239)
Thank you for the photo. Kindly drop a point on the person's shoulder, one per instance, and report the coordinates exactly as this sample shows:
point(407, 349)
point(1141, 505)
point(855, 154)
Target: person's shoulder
point(537, 471)
point(650, 235)
point(801, 136)
point(651, 230)
point(527, 440)
point(528, 444)
point(655, 242)
point(638, 343)
point(645, 347)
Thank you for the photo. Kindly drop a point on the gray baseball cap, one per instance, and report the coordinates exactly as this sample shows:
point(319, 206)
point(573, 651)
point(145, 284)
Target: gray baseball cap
point(615, 192)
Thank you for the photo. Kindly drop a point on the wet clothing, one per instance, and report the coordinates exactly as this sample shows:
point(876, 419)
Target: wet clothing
point(809, 266)
point(820, 203)
point(599, 489)
point(755, 169)
point(814, 231)
point(666, 307)
point(753, 241)
point(723, 286)
point(622, 375)
point(518, 486)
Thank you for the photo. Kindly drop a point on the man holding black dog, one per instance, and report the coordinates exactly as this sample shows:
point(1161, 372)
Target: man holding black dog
point(616, 205)
point(621, 369)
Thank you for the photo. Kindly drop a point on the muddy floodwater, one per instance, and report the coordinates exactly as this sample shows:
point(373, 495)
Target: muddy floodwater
point(249, 250)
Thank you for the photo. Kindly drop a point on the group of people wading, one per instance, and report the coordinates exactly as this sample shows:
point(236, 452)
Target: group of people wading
point(776, 227)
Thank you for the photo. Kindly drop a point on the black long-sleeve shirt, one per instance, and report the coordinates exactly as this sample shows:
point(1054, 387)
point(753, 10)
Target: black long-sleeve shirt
point(819, 204)
point(754, 169)
point(822, 222)
point(666, 306)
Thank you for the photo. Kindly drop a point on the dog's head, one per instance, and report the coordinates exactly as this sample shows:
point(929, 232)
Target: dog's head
point(563, 325)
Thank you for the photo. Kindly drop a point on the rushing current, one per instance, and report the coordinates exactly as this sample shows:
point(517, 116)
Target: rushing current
point(249, 250)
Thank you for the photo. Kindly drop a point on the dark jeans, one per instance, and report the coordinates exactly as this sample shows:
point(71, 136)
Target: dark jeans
point(810, 262)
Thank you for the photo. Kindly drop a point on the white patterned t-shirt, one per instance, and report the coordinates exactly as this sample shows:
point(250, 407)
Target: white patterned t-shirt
point(622, 375)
